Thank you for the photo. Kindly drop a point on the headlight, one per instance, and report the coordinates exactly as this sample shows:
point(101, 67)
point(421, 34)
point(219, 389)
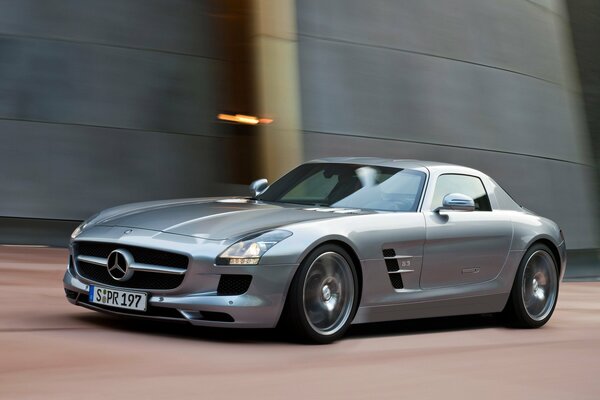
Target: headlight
point(77, 230)
point(82, 226)
point(249, 250)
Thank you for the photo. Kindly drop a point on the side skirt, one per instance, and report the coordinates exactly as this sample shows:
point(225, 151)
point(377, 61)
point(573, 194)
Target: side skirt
point(434, 308)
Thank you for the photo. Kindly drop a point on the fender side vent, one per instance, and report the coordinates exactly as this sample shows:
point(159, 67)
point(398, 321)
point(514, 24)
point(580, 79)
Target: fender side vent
point(390, 262)
point(392, 265)
point(396, 280)
point(389, 253)
point(393, 268)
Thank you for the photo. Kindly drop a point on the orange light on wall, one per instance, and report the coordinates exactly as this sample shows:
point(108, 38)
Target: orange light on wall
point(244, 119)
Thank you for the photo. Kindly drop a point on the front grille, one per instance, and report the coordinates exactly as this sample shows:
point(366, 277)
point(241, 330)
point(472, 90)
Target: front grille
point(140, 279)
point(141, 255)
point(233, 285)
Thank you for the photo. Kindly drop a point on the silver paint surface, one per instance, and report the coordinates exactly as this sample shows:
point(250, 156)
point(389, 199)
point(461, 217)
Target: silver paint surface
point(453, 262)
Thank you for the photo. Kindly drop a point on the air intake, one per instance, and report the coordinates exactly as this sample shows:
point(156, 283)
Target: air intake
point(391, 262)
point(233, 285)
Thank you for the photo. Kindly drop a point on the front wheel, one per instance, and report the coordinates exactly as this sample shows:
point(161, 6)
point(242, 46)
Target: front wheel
point(323, 296)
point(535, 289)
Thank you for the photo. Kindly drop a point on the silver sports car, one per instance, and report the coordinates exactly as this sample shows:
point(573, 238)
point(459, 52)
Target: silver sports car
point(336, 241)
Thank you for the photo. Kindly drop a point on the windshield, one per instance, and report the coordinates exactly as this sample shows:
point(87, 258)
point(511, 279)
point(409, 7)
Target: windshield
point(349, 186)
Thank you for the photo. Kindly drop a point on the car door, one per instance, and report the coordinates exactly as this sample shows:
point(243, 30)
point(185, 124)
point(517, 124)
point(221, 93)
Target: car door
point(463, 247)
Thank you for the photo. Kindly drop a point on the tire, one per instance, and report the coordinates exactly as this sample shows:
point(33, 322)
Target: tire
point(535, 289)
point(323, 296)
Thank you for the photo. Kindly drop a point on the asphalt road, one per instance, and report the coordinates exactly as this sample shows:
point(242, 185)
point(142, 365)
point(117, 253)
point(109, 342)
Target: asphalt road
point(50, 349)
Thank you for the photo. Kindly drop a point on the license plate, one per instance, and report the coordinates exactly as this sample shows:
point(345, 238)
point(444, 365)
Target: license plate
point(118, 298)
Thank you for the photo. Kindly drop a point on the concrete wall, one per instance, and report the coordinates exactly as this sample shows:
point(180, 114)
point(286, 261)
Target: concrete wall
point(106, 101)
point(485, 83)
point(111, 101)
point(584, 18)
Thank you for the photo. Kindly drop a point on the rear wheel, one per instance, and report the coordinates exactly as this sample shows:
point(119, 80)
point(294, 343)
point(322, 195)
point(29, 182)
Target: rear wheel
point(535, 290)
point(323, 296)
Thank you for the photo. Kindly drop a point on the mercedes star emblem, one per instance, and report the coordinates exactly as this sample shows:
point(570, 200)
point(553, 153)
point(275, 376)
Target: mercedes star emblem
point(118, 265)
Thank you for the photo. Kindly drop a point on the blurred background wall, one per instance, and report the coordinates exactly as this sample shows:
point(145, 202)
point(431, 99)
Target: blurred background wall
point(110, 101)
point(113, 101)
point(584, 20)
point(489, 84)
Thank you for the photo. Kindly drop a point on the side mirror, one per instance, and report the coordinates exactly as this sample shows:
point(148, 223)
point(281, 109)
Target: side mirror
point(457, 202)
point(259, 186)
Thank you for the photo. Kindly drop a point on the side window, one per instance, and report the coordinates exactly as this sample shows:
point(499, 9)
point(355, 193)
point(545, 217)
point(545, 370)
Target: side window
point(465, 184)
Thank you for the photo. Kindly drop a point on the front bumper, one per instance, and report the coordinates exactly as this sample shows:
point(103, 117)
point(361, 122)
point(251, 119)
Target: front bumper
point(259, 307)
point(562, 251)
point(197, 299)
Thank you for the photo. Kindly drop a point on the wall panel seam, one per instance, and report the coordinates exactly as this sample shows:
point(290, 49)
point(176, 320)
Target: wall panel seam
point(33, 121)
point(109, 45)
point(420, 53)
point(448, 145)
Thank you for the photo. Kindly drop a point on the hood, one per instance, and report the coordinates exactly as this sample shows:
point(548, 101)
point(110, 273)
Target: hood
point(217, 219)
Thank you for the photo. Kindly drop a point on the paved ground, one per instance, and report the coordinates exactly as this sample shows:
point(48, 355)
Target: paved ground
point(50, 349)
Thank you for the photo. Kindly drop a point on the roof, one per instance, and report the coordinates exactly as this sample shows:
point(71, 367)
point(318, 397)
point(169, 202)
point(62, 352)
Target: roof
point(430, 166)
point(385, 162)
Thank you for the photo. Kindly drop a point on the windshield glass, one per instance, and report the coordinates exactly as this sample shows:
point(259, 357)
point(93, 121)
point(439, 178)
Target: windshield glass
point(349, 186)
